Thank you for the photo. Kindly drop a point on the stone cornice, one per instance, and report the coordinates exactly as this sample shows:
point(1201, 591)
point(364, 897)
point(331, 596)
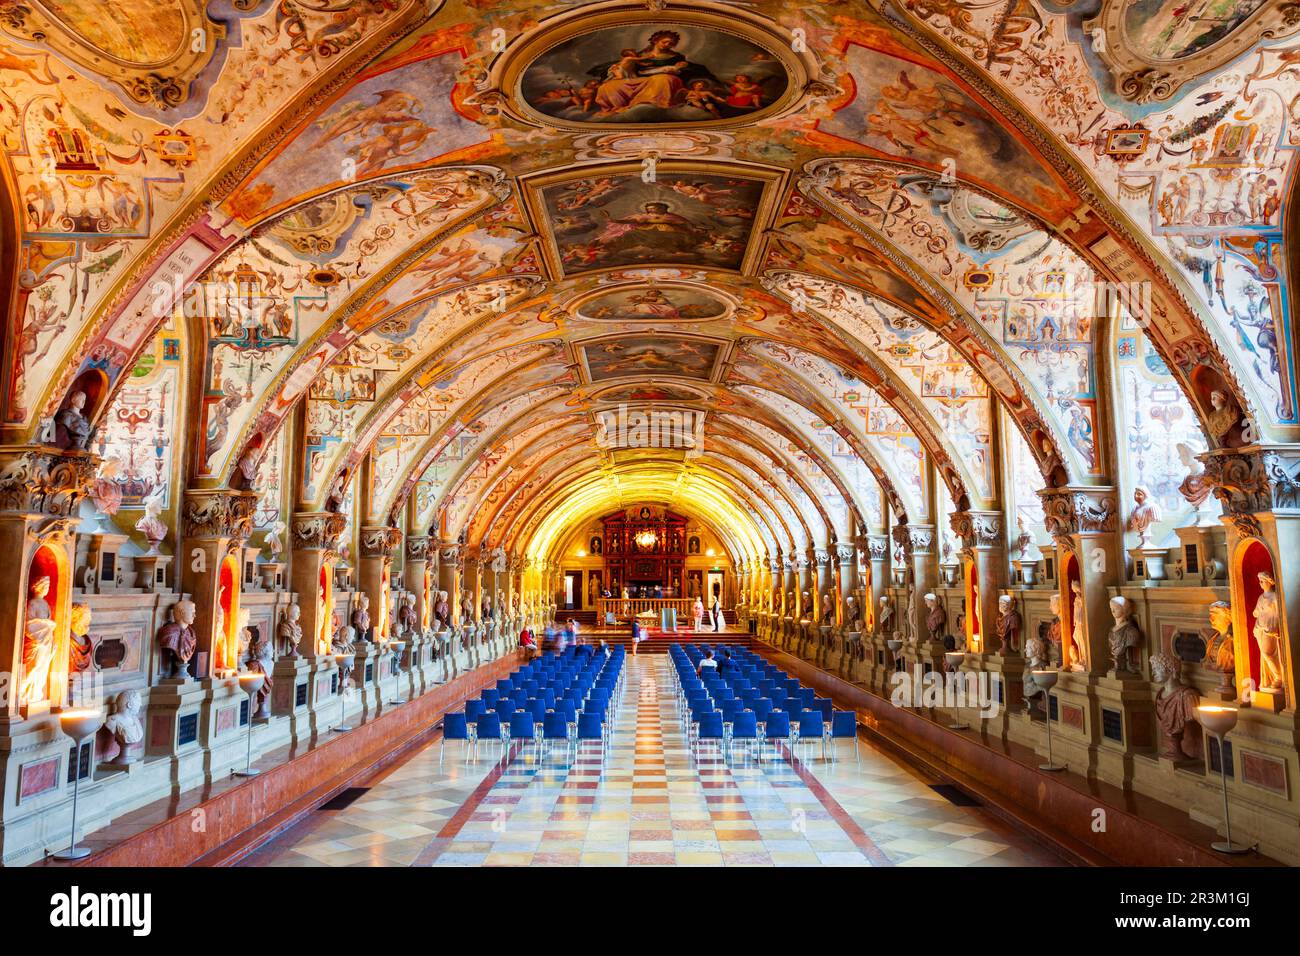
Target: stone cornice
point(41, 480)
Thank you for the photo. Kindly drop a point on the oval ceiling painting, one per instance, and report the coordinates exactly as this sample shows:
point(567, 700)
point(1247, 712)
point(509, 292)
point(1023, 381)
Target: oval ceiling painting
point(655, 73)
point(1160, 30)
point(141, 32)
point(647, 304)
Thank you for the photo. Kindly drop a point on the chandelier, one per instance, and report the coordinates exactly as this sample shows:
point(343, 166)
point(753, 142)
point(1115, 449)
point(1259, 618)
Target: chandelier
point(646, 539)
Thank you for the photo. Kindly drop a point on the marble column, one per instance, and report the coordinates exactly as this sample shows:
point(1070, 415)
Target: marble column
point(215, 525)
point(416, 577)
point(313, 551)
point(378, 545)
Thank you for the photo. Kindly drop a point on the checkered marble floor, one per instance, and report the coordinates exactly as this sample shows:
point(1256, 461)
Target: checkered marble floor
point(650, 804)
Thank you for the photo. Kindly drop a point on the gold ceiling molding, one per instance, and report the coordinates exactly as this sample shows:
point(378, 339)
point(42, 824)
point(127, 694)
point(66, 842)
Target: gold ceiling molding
point(1151, 55)
point(616, 28)
point(152, 49)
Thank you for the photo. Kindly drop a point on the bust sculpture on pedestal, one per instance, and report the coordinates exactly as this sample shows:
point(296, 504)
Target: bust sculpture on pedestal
point(1221, 652)
point(77, 430)
point(442, 612)
point(1125, 637)
point(936, 618)
point(1009, 625)
point(828, 609)
point(80, 648)
point(885, 619)
point(176, 642)
point(407, 626)
point(360, 619)
point(260, 659)
point(289, 633)
point(38, 644)
point(1145, 514)
point(122, 729)
point(1176, 705)
point(343, 642)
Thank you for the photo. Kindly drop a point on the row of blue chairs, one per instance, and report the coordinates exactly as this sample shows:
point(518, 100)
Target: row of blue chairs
point(754, 703)
point(568, 696)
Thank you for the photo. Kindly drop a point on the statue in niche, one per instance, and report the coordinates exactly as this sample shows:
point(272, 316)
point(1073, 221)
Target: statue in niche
point(1125, 637)
point(885, 620)
point(76, 427)
point(219, 629)
point(1220, 651)
point(289, 633)
point(1145, 514)
point(121, 730)
point(828, 609)
point(1009, 625)
point(151, 525)
point(936, 618)
point(486, 611)
point(176, 641)
point(360, 619)
point(442, 612)
point(343, 644)
point(80, 647)
point(805, 603)
point(789, 603)
point(38, 644)
point(1078, 630)
point(1196, 488)
point(407, 626)
point(1222, 417)
point(466, 608)
point(1267, 636)
point(1176, 705)
point(913, 616)
point(259, 659)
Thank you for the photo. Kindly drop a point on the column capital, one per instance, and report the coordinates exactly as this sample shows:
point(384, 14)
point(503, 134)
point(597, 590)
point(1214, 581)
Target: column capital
point(978, 530)
point(914, 538)
point(448, 552)
point(318, 530)
point(417, 547)
point(218, 513)
point(380, 542)
point(41, 480)
point(1250, 481)
point(845, 553)
point(1079, 509)
point(877, 546)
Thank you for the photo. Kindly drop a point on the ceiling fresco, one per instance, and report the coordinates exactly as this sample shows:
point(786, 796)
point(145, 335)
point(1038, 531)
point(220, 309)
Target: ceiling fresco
point(420, 247)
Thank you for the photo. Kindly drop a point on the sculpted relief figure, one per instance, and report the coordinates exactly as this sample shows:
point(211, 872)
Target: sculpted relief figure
point(1009, 625)
point(289, 633)
point(1220, 651)
point(176, 642)
point(1175, 709)
point(38, 644)
point(1267, 635)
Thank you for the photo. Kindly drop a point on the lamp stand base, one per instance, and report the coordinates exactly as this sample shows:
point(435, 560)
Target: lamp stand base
point(1233, 848)
point(341, 729)
point(958, 726)
point(1051, 767)
point(251, 772)
point(73, 853)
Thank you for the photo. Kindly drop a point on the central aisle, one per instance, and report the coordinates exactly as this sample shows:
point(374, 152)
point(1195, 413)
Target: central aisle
point(653, 806)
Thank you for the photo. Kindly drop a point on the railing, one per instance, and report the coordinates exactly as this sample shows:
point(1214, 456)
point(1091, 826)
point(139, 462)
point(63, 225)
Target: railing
point(628, 608)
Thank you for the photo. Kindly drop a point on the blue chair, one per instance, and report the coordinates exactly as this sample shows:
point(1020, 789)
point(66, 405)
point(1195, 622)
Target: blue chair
point(489, 727)
point(761, 708)
point(454, 727)
point(776, 727)
point(490, 696)
point(592, 727)
point(709, 727)
point(474, 709)
point(844, 723)
point(812, 727)
point(538, 709)
point(505, 685)
point(555, 727)
point(744, 726)
point(522, 727)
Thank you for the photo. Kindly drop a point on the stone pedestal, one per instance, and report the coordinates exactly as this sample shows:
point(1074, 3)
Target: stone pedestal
point(365, 673)
point(291, 694)
point(171, 727)
point(273, 576)
point(1076, 727)
point(151, 571)
point(1126, 722)
point(1149, 564)
point(103, 570)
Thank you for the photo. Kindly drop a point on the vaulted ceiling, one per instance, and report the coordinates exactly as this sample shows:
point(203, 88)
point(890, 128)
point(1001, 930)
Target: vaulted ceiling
point(438, 245)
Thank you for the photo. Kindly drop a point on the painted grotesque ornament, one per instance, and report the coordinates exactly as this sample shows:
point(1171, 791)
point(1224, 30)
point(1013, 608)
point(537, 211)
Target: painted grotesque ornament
point(1176, 705)
point(38, 644)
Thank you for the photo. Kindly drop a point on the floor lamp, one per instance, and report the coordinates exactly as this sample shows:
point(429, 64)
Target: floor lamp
point(954, 660)
point(251, 683)
point(80, 725)
point(1046, 679)
point(1218, 723)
